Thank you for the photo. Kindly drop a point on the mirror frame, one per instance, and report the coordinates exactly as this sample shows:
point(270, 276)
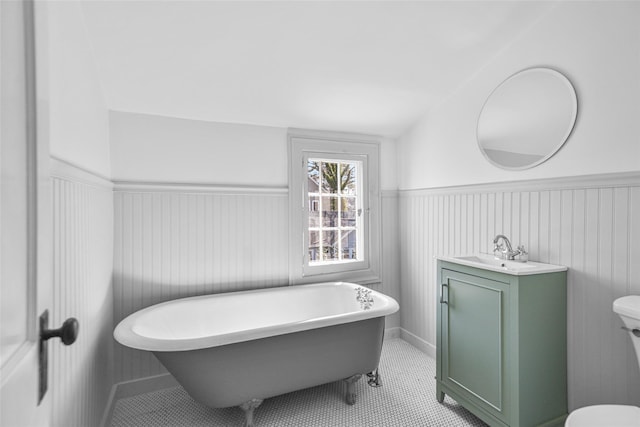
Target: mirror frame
point(572, 120)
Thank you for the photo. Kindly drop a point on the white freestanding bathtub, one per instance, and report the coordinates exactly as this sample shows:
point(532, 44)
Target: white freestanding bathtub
point(239, 348)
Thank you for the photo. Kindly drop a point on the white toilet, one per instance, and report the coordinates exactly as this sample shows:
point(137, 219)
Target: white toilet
point(628, 308)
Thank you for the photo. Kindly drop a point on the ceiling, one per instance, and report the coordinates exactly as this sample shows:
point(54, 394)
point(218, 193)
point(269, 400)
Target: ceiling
point(372, 67)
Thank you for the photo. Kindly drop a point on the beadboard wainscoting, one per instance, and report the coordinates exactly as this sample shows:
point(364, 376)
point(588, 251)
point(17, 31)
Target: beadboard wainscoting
point(174, 241)
point(390, 257)
point(81, 374)
point(590, 224)
point(177, 241)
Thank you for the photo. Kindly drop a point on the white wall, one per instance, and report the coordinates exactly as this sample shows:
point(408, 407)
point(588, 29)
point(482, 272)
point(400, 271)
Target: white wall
point(82, 374)
point(166, 149)
point(589, 225)
point(79, 122)
point(595, 44)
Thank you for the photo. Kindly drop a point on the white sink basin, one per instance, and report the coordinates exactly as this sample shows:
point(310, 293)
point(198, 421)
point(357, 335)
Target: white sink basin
point(489, 262)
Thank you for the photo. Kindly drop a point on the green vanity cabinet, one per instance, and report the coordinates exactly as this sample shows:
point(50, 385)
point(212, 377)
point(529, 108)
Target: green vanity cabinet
point(502, 344)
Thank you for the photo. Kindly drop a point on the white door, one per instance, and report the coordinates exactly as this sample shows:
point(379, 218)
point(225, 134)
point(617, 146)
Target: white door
point(25, 215)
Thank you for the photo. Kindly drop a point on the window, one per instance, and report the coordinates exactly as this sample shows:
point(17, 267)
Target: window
point(334, 207)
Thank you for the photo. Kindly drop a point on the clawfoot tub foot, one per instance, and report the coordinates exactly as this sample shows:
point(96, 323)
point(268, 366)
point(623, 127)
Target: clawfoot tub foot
point(374, 378)
point(248, 408)
point(351, 393)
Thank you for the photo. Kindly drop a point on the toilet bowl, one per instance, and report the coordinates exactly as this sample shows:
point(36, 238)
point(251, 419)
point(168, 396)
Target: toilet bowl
point(628, 308)
point(605, 416)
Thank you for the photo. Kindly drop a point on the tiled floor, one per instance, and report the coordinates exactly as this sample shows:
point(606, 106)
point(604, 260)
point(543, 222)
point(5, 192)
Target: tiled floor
point(407, 398)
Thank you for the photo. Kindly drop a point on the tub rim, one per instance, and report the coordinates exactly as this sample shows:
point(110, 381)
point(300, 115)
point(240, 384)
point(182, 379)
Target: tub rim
point(125, 335)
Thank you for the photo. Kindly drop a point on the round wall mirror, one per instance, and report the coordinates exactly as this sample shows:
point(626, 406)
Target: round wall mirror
point(527, 118)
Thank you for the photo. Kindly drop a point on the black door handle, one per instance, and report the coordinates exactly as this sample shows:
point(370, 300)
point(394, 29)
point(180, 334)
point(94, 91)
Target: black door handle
point(68, 332)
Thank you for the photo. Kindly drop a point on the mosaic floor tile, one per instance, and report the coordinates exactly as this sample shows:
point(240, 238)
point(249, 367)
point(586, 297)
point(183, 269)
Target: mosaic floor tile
point(407, 398)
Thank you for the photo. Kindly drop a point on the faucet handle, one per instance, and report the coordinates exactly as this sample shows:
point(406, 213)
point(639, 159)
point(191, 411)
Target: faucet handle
point(498, 247)
point(523, 255)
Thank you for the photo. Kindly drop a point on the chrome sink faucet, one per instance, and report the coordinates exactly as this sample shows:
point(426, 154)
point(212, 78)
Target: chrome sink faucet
point(507, 253)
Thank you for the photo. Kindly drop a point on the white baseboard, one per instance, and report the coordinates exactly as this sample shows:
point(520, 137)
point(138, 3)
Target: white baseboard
point(133, 388)
point(422, 345)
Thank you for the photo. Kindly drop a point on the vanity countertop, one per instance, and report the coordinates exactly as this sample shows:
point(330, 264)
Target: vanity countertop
point(516, 268)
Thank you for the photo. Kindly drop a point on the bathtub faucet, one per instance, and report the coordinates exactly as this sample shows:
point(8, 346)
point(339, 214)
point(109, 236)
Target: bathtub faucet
point(364, 298)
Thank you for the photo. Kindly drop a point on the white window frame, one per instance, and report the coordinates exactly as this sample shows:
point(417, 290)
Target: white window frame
point(304, 145)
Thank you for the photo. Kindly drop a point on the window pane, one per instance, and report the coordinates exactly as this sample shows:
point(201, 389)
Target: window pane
point(349, 213)
point(348, 173)
point(314, 246)
point(330, 211)
point(313, 176)
point(314, 211)
point(330, 246)
point(349, 244)
point(330, 178)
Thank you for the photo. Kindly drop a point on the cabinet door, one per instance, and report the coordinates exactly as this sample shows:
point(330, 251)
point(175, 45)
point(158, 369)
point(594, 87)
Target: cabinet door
point(474, 321)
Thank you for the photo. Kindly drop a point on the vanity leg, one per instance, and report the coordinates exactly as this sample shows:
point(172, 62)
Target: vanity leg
point(351, 393)
point(440, 396)
point(248, 408)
